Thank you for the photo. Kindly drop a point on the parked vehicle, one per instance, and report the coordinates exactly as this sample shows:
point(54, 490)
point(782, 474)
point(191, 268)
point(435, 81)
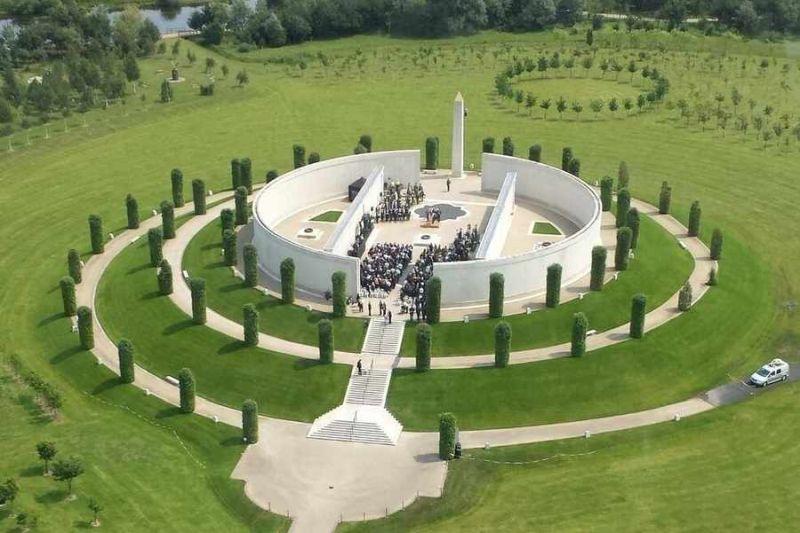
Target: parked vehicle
point(775, 370)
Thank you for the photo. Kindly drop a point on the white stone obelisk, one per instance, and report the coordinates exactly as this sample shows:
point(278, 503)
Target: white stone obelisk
point(458, 137)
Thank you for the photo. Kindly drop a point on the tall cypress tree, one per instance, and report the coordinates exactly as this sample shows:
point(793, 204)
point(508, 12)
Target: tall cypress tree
point(126, 361)
point(227, 220)
point(448, 429)
point(250, 421)
point(502, 344)
point(606, 192)
point(164, 278)
point(622, 253)
point(566, 157)
point(132, 211)
point(240, 200)
point(176, 177)
point(623, 206)
point(250, 256)
point(598, 272)
point(74, 266)
point(535, 153)
point(553, 290)
point(155, 244)
point(664, 198)
point(198, 289)
point(96, 234)
point(339, 290)
point(246, 177)
point(168, 220)
point(68, 298)
point(638, 311)
point(250, 321)
point(325, 340)
point(488, 145)
point(229, 247)
point(694, 219)
point(187, 389)
point(199, 197)
point(716, 244)
point(432, 153)
point(423, 356)
point(85, 327)
point(299, 155)
point(580, 325)
point(508, 146)
point(496, 296)
point(433, 299)
point(287, 280)
point(236, 173)
point(633, 223)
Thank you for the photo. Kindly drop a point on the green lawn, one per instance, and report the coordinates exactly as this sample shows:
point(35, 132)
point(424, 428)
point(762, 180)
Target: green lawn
point(227, 294)
point(545, 228)
point(659, 269)
point(328, 216)
point(226, 371)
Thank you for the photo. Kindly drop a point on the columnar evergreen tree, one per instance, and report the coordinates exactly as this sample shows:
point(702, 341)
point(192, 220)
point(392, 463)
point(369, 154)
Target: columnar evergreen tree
point(535, 153)
point(712, 277)
point(634, 222)
point(250, 421)
point(226, 220)
point(198, 289)
point(553, 291)
point(502, 344)
point(176, 178)
point(623, 206)
point(448, 429)
point(168, 220)
point(229, 247)
point(496, 294)
point(638, 310)
point(433, 299)
point(366, 141)
point(240, 201)
point(126, 366)
point(325, 340)
point(623, 176)
point(246, 177)
point(187, 389)
point(299, 155)
point(488, 145)
point(287, 280)
point(580, 325)
point(622, 253)
point(74, 266)
point(423, 361)
point(575, 166)
point(685, 297)
point(313, 157)
point(250, 323)
point(694, 219)
point(432, 153)
point(598, 272)
point(664, 198)
point(236, 173)
point(164, 278)
point(68, 298)
point(250, 256)
point(606, 192)
point(155, 244)
point(339, 293)
point(716, 244)
point(132, 210)
point(271, 175)
point(199, 197)
point(566, 157)
point(85, 327)
point(508, 146)
point(96, 234)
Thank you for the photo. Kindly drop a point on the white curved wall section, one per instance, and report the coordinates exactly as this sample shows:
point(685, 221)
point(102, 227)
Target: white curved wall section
point(496, 232)
point(367, 198)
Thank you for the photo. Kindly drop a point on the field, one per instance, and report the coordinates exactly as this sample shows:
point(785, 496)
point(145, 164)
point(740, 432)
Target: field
point(700, 474)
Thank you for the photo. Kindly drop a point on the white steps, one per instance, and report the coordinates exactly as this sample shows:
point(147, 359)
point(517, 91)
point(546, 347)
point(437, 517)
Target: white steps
point(370, 388)
point(352, 423)
point(383, 338)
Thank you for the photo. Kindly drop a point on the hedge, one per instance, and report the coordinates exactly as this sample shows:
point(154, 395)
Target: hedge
point(638, 311)
point(502, 344)
point(339, 293)
point(535, 153)
point(168, 219)
point(52, 396)
point(271, 175)
point(508, 146)
point(85, 327)
point(246, 176)
point(299, 155)
point(623, 206)
point(488, 145)
point(199, 197)
point(132, 211)
point(313, 157)
point(606, 192)
point(236, 173)
point(287, 280)
point(68, 298)
point(250, 421)
point(566, 157)
point(553, 291)
point(432, 153)
point(250, 256)
point(598, 272)
point(325, 340)
point(685, 297)
point(634, 221)
point(423, 362)
point(496, 296)
point(198, 289)
point(716, 244)
point(187, 387)
point(240, 203)
point(96, 234)
point(176, 177)
point(74, 266)
point(433, 299)
point(580, 325)
point(164, 277)
point(448, 429)
point(126, 366)
point(664, 198)
point(229, 247)
point(622, 253)
point(155, 243)
point(694, 219)
point(226, 220)
point(250, 323)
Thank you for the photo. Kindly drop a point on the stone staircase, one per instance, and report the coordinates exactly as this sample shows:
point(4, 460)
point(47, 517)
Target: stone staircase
point(370, 388)
point(383, 338)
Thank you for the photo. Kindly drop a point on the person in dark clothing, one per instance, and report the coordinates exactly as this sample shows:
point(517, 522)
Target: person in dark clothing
point(358, 367)
point(369, 308)
point(390, 317)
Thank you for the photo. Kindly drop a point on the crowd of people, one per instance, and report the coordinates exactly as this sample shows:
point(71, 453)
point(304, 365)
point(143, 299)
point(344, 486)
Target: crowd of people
point(396, 202)
point(382, 267)
point(365, 226)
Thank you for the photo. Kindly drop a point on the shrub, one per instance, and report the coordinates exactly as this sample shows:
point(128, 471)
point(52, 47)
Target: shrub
point(250, 255)
point(575, 167)
point(198, 289)
point(132, 210)
point(85, 327)
point(250, 321)
point(155, 243)
point(68, 298)
point(716, 244)
point(496, 297)
point(168, 219)
point(339, 292)
point(366, 141)
point(325, 338)
point(508, 146)
point(240, 200)
point(186, 386)
point(287, 280)
point(685, 297)
point(313, 157)
point(488, 145)
point(580, 325)
point(623, 176)
point(553, 291)
point(199, 197)
point(229, 247)
point(694, 219)
point(598, 272)
point(535, 153)
point(236, 173)
point(246, 175)
point(566, 157)
point(448, 429)
point(177, 187)
point(606, 192)
point(622, 253)
point(623, 206)
point(299, 155)
point(638, 309)
point(96, 234)
point(664, 198)
point(432, 153)
point(633, 223)
point(712, 277)
point(74, 266)
point(164, 277)
point(271, 175)
point(423, 347)
point(250, 421)
point(226, 220)
point(126, 367)
point(502, 344)
point(433, 299)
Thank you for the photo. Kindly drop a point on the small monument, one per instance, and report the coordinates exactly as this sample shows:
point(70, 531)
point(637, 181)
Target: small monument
point(458, 137)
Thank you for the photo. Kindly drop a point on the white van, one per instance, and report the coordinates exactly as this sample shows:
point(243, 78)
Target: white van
point(775, 370)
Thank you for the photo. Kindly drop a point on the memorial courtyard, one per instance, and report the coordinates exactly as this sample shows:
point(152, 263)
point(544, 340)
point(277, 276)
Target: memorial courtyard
point(577, 295)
